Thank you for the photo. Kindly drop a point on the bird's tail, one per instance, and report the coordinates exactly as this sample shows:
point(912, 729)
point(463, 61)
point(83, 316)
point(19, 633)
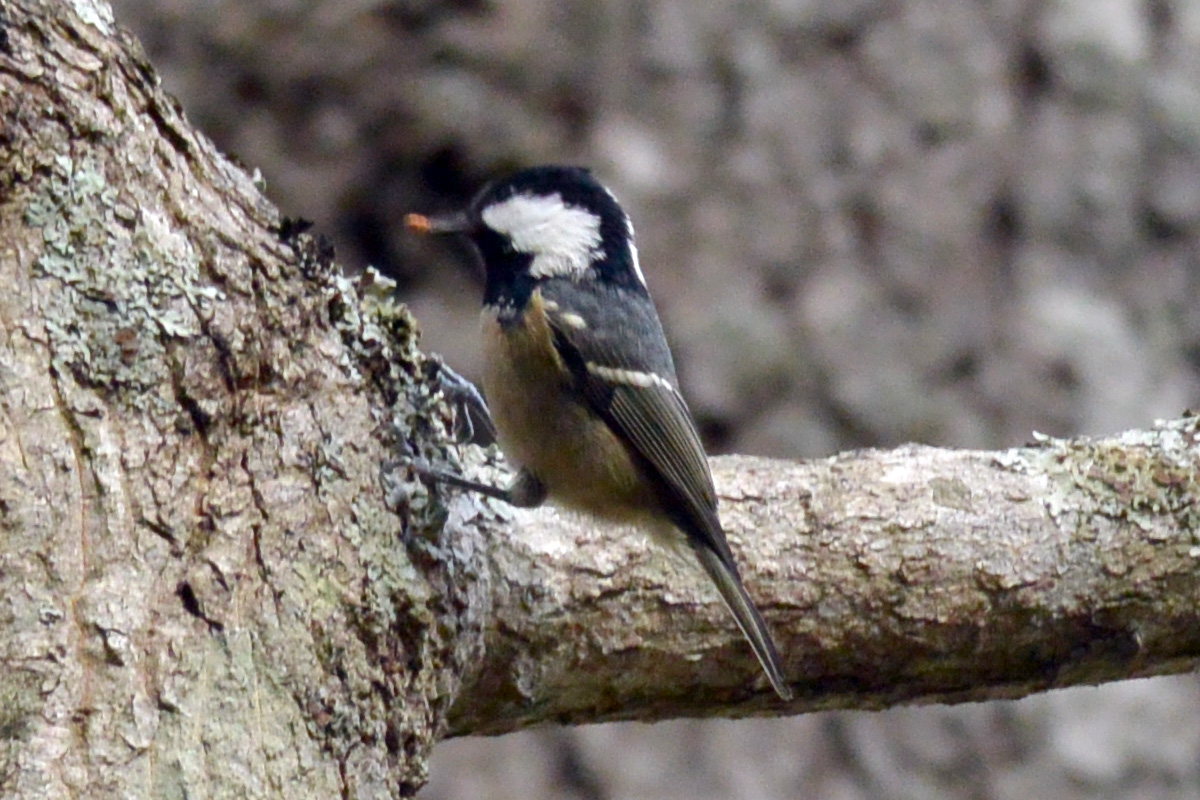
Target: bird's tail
point(754, 628)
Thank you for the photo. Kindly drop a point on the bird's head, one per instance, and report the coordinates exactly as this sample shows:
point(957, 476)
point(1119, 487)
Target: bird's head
point(545, 223)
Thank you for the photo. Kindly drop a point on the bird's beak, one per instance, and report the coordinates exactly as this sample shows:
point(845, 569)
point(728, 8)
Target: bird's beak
point(443, 223)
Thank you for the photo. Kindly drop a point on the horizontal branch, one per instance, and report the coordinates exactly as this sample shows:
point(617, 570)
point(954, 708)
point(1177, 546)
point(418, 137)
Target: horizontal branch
point(913, 575)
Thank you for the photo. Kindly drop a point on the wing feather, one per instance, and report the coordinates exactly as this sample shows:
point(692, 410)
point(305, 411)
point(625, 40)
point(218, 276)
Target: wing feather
point(635, 391)
point(650, 416)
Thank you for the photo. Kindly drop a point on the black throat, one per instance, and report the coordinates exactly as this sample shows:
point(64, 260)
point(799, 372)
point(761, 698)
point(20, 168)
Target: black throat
point(507, 284)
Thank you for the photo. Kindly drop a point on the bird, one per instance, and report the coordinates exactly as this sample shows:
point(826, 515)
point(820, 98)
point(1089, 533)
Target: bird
point(579, 378)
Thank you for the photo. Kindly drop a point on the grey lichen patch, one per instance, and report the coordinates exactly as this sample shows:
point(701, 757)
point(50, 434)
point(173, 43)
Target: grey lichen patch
point(1139, 477)
point(388, 567)
point(20, 700)
point(96, 13)
point(951, 493)
point(381, 338)
point(419, 616)
point(117, 283)
point(379, 333)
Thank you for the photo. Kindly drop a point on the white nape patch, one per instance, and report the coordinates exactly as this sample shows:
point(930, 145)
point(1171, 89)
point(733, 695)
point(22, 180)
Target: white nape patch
point(563, 240)
point(633, 259)
point(633, 251)
point(629, 377)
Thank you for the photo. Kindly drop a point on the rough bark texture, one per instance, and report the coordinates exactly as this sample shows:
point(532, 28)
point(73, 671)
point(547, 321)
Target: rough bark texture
point(212, 583)
point(916, 574)
point(866, 222)
point(202, 589)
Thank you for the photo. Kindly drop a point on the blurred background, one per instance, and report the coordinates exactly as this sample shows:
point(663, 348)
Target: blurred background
point(865, 222)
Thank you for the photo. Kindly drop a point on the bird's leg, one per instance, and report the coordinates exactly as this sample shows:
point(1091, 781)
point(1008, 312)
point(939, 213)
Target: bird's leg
point(470, 403)
point(525, 491)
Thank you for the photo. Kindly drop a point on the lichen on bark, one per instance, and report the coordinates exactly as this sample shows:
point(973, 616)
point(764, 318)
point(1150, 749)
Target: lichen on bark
point(215, 578)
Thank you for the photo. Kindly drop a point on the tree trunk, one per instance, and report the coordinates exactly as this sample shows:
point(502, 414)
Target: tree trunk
point(217, 579)
point(205, 591)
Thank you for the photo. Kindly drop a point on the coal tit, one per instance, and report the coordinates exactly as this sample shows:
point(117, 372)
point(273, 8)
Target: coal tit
point(579, 378)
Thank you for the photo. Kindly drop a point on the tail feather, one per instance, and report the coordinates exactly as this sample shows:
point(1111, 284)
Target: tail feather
point(754, 628)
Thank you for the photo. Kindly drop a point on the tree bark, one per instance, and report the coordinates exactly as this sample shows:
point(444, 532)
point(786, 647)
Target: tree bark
point(206, 588)
point(216, 580)
point(912, 575)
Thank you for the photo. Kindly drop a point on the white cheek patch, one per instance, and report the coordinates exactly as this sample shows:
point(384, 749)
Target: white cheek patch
point(563, 240)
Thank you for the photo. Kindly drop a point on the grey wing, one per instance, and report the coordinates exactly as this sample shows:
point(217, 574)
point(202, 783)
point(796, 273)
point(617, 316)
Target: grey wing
point(613, 345)
point(621, 365)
